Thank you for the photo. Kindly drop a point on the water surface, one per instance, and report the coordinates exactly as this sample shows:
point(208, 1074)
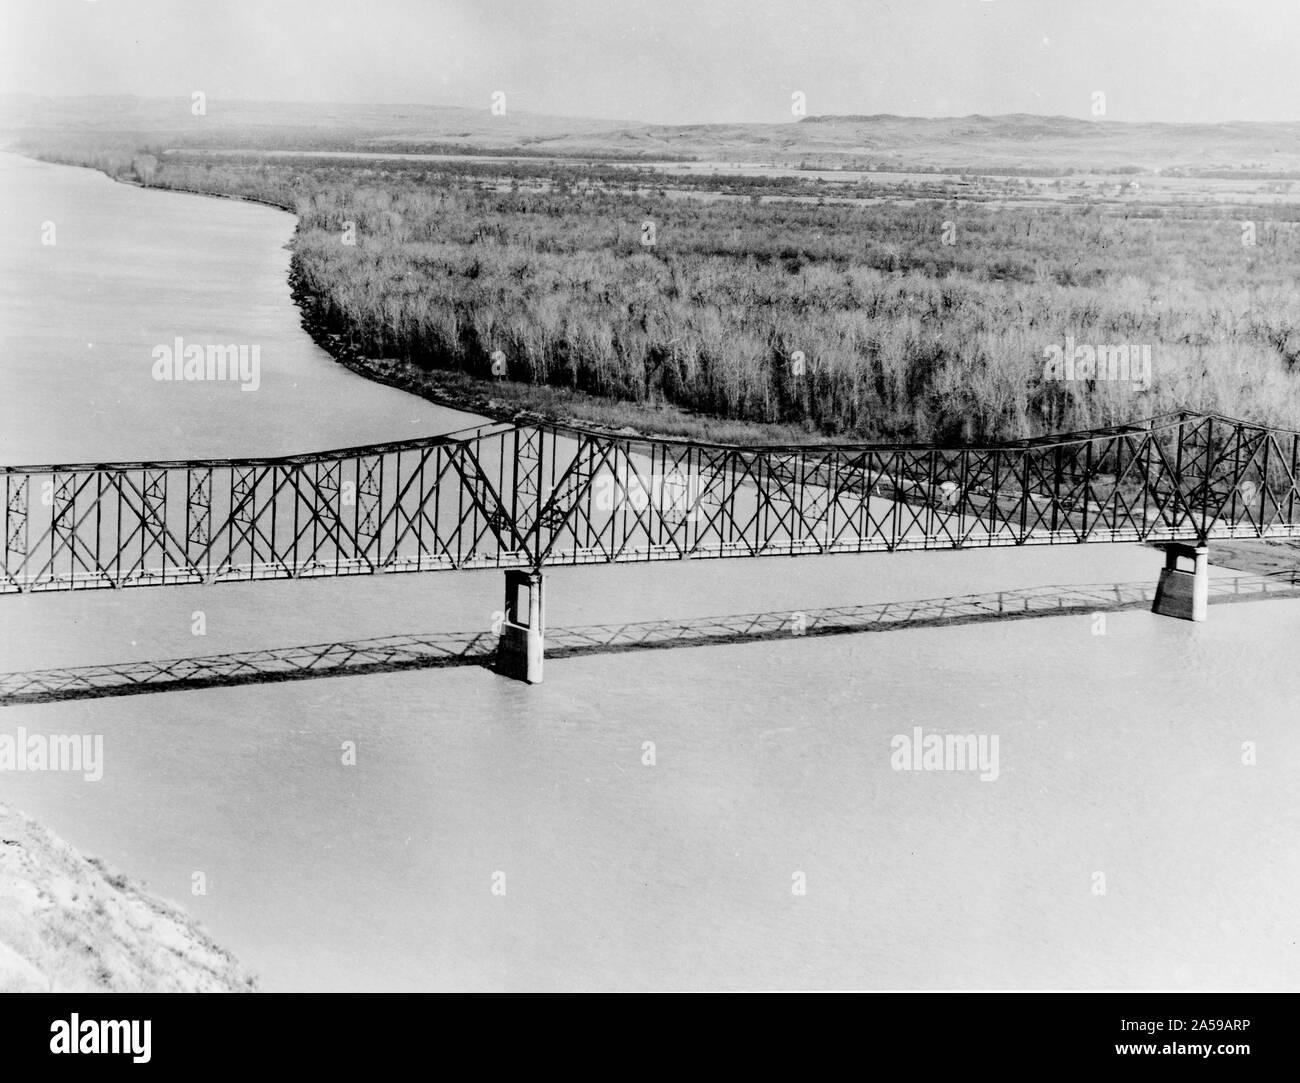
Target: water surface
point(1120, 753)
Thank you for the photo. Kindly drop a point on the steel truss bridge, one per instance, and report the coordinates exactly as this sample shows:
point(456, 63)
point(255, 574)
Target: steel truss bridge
point(530, 494)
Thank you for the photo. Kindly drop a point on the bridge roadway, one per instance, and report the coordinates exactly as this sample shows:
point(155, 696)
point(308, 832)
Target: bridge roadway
point(529, 494)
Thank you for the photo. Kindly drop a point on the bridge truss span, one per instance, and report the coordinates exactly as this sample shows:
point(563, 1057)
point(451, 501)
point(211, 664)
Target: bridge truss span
point(531, 494)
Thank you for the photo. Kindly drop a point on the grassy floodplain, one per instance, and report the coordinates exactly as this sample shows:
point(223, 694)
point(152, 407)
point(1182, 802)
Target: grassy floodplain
point(920, 315)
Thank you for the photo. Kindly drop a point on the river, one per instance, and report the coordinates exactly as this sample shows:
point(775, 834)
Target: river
point(492, 835)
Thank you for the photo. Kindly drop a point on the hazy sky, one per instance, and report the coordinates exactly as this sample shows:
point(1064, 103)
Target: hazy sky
point(678, 61)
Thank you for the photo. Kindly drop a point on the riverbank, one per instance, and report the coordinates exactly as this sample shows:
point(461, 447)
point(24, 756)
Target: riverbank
point(436, 345)
point(504, 399)
point(1257, 557)
point(70, 924)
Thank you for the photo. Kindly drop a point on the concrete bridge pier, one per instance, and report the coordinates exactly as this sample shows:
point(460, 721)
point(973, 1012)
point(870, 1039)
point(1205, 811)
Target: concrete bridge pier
point(520, 648)
point(1184, 592)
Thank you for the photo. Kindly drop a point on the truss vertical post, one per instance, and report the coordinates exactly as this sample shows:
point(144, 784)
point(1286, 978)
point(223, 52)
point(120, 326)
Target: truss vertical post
point(16, 487)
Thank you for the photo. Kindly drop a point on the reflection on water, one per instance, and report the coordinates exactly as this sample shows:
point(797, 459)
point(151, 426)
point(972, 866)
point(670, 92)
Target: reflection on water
point(1121, 743)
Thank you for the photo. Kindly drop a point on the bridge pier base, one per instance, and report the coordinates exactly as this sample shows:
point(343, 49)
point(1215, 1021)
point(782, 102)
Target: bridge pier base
point(521, 646)
point(1184, 593)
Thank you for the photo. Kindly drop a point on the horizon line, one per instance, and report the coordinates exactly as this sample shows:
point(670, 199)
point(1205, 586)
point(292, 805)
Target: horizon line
point(628, 122)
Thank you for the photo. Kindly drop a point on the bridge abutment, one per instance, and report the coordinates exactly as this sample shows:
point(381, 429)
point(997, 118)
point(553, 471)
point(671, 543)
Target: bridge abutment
point(521, 646)
point(1184, 592)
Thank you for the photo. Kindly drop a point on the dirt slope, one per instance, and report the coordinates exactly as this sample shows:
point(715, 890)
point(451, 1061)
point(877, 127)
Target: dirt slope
point(68, 924)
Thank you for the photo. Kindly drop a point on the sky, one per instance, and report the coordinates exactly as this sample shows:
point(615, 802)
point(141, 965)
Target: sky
point(678, 61)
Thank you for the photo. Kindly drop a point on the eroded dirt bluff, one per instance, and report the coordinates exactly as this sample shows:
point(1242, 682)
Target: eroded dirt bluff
point(68, 924)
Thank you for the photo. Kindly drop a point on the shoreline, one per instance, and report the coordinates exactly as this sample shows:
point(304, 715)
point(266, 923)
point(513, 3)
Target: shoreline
point(456, 390)
point(1257, 556)
point(505, 400)
point(71, 924)
point(498, 400)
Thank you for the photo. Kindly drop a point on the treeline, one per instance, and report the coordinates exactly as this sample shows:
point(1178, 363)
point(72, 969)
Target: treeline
point(926, 321)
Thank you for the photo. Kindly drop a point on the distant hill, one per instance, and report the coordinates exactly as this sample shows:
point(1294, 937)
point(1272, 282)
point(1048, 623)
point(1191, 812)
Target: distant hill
point(974, 143)
point(1018, 142)
point(222, 119)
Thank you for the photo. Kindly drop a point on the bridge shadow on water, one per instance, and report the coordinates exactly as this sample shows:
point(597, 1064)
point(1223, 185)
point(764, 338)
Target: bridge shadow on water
point(435, 650)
